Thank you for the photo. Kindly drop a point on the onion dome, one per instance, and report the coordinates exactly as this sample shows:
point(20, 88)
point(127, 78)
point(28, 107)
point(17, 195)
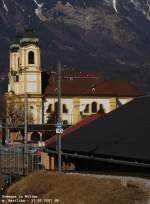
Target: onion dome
point(29, 37)
point(16, 44)
point(14, 47)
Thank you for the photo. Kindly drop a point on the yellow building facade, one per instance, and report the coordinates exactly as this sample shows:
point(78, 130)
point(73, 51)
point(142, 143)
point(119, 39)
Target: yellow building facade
point(83, 93)
point(25, 74)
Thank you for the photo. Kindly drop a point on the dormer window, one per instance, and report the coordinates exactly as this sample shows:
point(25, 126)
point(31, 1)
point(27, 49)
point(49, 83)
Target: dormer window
point(31, 57)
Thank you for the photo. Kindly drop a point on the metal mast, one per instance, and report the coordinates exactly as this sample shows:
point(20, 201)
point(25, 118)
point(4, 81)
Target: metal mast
point(26, 121)
point(59, 113)
point(25, 127)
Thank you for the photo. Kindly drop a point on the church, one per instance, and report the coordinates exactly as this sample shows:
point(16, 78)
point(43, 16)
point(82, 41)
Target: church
point(25, 73)
point(83, 93)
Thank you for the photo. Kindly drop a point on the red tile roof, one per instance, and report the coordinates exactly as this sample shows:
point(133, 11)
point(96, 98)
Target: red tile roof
point(73, 128)
point(90, 83)
point(83, 74)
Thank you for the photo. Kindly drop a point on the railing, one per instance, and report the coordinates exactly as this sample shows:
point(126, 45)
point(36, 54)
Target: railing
point(12, 159)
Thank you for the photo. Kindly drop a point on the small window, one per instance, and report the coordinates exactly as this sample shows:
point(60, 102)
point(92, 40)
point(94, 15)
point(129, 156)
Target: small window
point(17, 78)
point(65, 110)
point(94, 107)
point(86, 110)
point(31, 57)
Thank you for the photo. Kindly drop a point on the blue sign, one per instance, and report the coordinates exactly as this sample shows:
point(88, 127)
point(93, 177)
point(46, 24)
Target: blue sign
point(59, 125)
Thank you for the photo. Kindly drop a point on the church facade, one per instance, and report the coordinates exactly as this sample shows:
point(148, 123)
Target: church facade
point(25, 73)
point(86, 93)
point(83, 93)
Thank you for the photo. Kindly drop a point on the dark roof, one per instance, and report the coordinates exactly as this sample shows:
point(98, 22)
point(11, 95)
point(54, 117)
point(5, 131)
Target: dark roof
point(123, 133)
point(29, 33)
point(29, 37)
point(88, 84)
point(73, 128)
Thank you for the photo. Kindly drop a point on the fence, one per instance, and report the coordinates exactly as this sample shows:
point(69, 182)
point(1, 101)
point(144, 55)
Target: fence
point(15, 161)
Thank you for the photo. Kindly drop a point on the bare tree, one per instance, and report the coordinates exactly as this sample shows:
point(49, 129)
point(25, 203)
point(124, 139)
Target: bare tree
point(2, 107)
point(15, 113)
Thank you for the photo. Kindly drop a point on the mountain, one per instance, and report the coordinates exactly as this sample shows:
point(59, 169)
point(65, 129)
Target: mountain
point(111, 35)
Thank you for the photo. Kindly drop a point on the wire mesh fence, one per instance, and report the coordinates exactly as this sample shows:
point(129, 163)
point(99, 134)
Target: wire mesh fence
point(15, 160)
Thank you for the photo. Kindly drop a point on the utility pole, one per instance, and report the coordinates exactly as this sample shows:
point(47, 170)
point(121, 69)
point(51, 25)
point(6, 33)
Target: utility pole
point(26, 122)
point(43, 100)
point(26, 134)
point(59, 113)
point(25, 145)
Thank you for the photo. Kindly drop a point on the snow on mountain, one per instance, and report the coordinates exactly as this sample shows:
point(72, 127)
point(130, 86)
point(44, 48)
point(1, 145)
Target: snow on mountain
point(113, 35)
point(5, 6)
point(38, 11)
point(115, 5)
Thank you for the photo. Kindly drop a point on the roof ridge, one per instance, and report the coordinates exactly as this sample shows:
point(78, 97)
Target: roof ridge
point(74, 127)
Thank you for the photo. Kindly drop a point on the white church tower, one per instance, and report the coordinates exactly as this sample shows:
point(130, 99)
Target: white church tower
point(25, 72)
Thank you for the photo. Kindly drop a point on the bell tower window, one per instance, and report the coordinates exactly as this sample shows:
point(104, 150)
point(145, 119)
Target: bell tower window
point(31, 57)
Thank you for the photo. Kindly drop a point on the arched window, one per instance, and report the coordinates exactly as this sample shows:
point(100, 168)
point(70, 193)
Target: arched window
point(65, 110)
point(94, 107)
point(87, 109)
point(101, 109)
point(49, 109)
point(35, 137)
point(56, 107)
point(31, 57)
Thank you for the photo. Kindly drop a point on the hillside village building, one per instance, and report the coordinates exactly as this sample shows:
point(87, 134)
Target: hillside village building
point(83, 93)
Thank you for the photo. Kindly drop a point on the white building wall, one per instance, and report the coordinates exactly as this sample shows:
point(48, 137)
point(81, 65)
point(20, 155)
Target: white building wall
point(65, 116)
point(69, 104)
point(106, 102)
point(35, 107)
point(125, 100)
